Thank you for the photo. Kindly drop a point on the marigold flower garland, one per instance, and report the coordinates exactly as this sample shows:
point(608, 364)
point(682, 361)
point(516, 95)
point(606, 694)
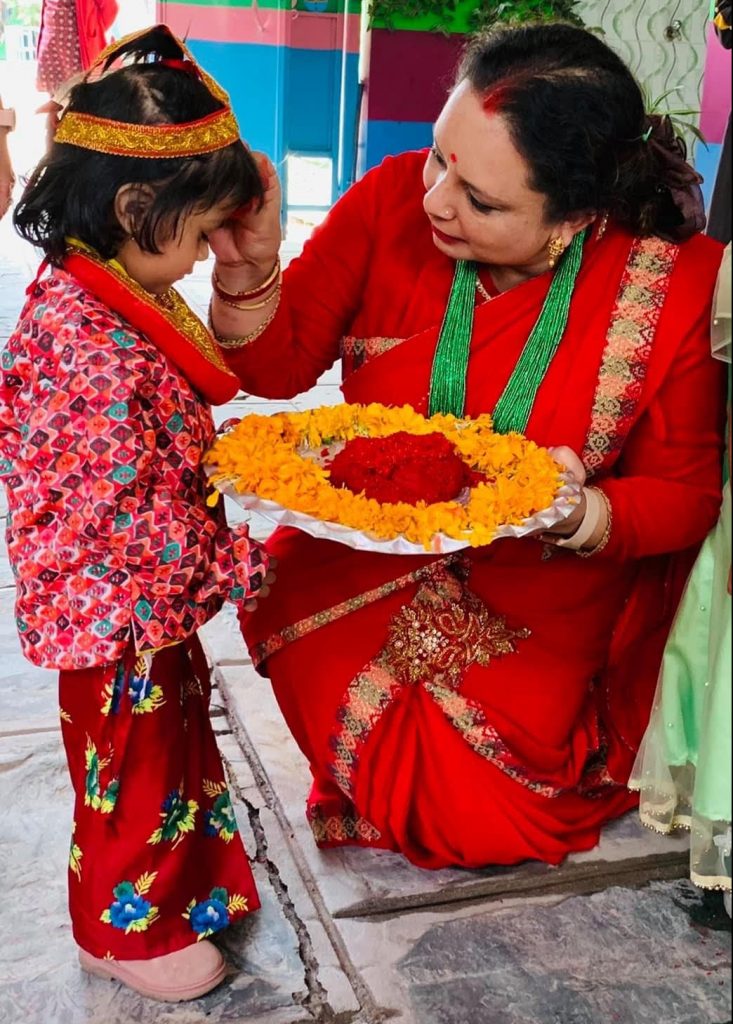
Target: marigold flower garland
point(268, 456)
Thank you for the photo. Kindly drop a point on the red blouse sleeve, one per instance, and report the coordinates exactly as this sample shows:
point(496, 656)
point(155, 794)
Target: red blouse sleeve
point(322, 291)
point(665, 495)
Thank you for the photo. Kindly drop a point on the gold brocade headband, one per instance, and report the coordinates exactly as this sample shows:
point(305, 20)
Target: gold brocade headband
point(155, 141)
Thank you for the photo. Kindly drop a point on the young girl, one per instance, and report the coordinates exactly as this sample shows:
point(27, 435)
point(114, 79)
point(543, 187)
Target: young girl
point(118, 560)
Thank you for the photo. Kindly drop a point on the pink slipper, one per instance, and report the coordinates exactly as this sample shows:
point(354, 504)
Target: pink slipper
point(186, 974)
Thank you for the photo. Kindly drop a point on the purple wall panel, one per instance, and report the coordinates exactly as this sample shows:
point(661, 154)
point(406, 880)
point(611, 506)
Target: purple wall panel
point(410, 74)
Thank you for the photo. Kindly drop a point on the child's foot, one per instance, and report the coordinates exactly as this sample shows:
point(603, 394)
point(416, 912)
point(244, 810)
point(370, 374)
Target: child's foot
point(186, 974)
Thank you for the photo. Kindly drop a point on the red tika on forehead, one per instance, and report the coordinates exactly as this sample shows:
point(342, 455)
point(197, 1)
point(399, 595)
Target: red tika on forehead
point(453, 158)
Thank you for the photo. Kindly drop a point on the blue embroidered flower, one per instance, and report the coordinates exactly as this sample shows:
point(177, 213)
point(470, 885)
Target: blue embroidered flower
point(209, 916)
point(128, 906)
point(130, 912)
point(178, 816)
point(140, 688)
point(220, 820)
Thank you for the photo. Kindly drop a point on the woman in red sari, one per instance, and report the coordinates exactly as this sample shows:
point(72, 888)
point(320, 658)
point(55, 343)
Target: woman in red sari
point(485, 708)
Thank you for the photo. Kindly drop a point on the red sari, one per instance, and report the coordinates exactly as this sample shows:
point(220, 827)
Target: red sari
point(486, 708)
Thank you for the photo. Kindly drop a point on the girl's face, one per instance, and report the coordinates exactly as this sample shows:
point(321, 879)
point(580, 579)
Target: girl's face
point(156, 272)
point(477, 193)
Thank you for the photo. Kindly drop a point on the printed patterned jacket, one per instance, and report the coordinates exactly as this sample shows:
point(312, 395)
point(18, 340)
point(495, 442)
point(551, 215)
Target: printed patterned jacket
point(101, 442)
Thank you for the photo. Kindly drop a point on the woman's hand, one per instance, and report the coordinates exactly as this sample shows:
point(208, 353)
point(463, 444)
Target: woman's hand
point(7, 178)
point(247, 246)
point(572, 464)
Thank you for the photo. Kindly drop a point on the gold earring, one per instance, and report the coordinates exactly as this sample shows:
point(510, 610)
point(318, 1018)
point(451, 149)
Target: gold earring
point(602, 225)
point(555, 249)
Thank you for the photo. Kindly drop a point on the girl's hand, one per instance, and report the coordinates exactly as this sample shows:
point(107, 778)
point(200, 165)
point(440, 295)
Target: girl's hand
point(247, 246)
point(572, 465)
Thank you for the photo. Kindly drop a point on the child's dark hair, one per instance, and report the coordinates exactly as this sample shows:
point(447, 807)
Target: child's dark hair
point(576, 114)
point(72, 191)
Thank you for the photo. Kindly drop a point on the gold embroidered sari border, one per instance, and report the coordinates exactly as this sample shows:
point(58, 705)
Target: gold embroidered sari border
point(341, 828)
point(357, 352)
point(642, 293)
point(262, 651)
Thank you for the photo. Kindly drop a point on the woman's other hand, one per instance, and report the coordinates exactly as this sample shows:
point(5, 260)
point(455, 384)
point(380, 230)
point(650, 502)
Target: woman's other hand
point(248, 244)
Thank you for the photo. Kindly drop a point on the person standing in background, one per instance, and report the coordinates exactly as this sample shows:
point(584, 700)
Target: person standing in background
point(7, 177)
point(73, 34)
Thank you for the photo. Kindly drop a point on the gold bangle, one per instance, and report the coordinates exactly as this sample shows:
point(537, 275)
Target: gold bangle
point(234, 343)
point(258, 289)
point(274, 294)
point(603, 542)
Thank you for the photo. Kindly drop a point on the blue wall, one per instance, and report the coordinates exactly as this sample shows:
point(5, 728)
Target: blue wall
point(286, 99)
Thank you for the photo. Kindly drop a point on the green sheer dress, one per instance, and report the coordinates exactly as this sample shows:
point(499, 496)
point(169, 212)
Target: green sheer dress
point(683, 770)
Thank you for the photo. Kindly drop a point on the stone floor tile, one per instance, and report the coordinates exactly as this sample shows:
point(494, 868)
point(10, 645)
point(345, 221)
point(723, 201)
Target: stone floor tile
point(656, 955)
point(620, 957)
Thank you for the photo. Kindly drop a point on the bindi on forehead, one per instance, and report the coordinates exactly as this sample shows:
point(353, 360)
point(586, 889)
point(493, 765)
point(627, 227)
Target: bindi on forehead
point(453, 158)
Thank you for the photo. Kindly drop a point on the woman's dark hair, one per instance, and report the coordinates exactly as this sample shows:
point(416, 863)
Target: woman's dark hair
point(576, 114)
point(72, 191)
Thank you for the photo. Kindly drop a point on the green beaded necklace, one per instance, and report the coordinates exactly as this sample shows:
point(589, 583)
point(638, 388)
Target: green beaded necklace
point(450, 364)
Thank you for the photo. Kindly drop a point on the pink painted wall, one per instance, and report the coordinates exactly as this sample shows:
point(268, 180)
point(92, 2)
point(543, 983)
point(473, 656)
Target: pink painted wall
point(716, 93)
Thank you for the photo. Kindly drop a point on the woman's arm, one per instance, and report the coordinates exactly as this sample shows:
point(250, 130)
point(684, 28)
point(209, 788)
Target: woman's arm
point(321, 292)
point(666, 494)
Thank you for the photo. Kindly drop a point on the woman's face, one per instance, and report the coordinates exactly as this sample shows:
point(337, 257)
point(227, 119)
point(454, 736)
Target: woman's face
point(477, 196)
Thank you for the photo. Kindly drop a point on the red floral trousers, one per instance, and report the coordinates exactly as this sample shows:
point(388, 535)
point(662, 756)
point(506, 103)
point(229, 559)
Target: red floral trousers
point(156, 859)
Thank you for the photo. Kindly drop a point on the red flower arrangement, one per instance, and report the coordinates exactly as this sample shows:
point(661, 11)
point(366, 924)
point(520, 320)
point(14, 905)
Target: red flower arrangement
point(402, 467)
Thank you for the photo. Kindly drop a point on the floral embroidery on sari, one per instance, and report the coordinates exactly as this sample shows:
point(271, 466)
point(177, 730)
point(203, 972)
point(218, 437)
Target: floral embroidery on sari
point(431, 643)
point(634, 320)
point(355, 352)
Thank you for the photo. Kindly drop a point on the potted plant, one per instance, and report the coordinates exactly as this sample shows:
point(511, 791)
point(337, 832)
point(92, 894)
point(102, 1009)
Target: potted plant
point(477, 15)
point(488, 13)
